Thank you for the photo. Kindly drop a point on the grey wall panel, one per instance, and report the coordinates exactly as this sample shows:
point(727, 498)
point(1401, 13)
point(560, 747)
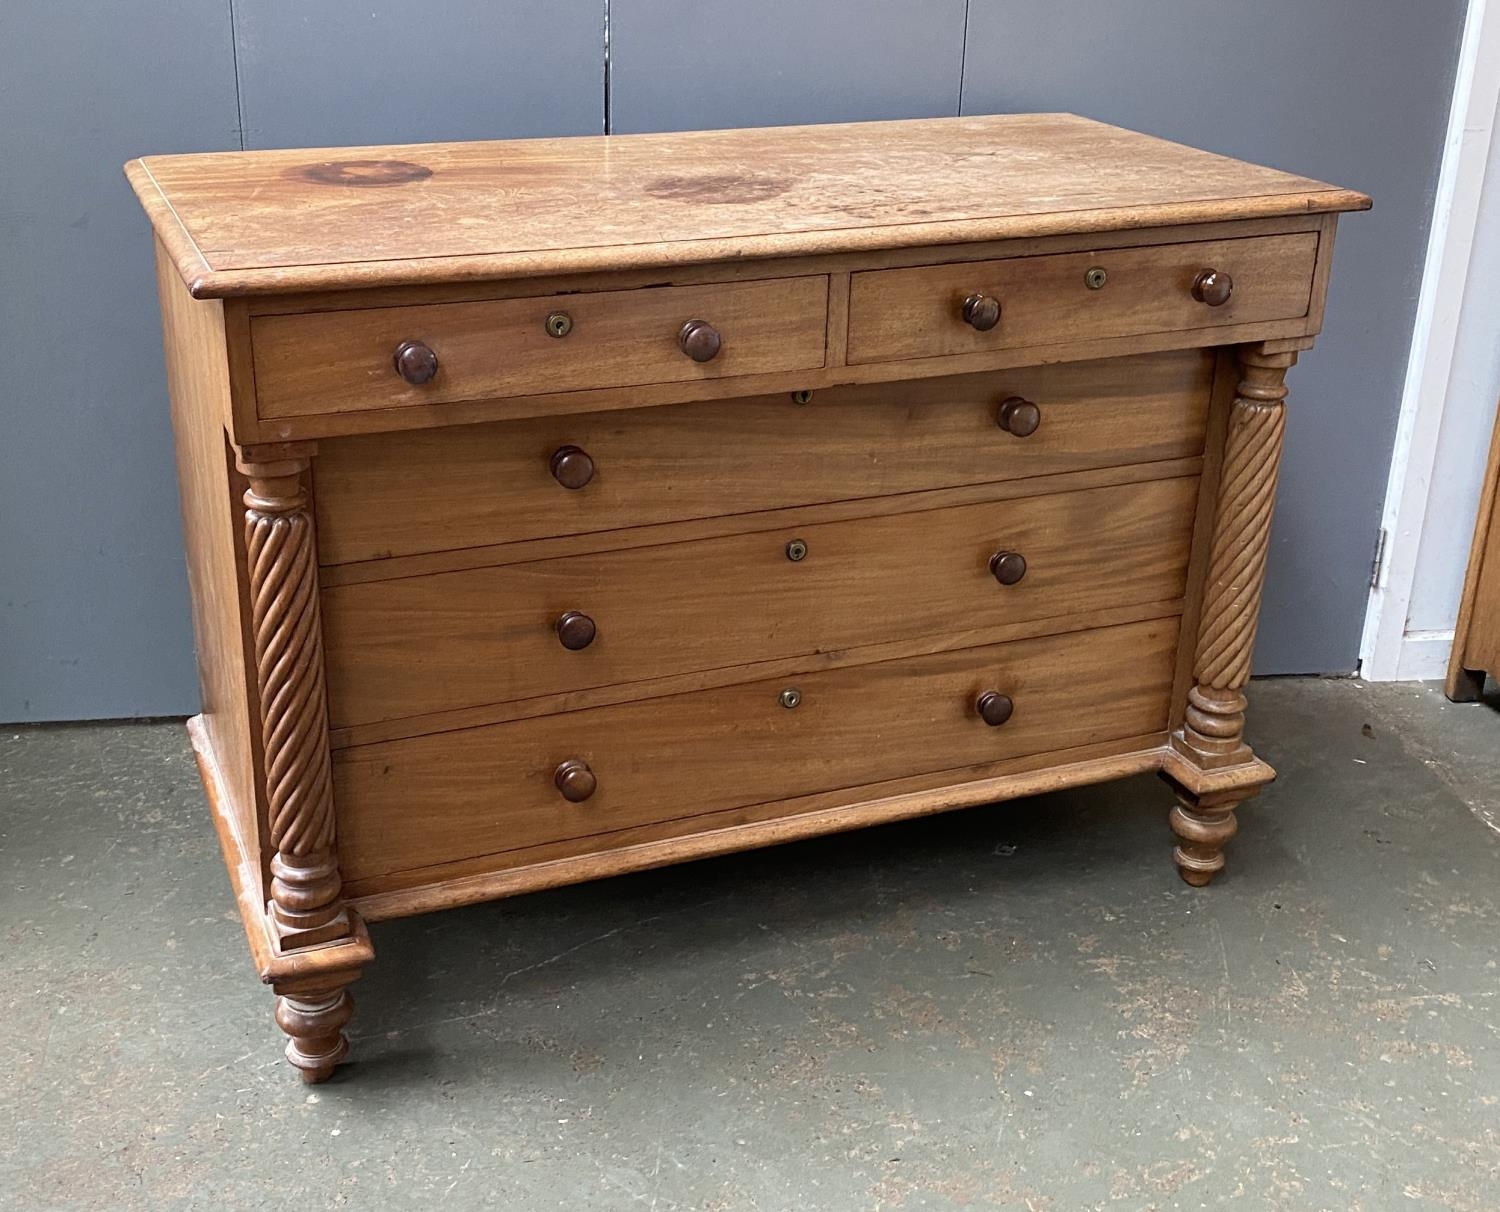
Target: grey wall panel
point(340, 72)
point(716, 63)
point(93, 591)
point(93, 605)
point(1352, 91)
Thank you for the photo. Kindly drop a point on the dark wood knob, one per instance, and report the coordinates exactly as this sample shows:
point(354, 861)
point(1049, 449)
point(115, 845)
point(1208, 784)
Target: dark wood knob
point(575, 630)
point(1019, 416)
point(981, 312)
point(1213, 288)
point(572, 467)
point(1007, 567)
point(415, 362)
point(700, 340)
point(575, 780)
point(994, 708)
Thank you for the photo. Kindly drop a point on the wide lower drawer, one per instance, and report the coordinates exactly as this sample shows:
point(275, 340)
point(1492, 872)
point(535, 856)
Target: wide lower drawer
point(403, 494)
point(458, 795)
point(895, 314)
point(390, 357)
point(421, 644)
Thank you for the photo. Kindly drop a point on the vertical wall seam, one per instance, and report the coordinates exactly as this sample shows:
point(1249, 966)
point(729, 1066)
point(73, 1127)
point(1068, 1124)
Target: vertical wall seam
point(963, 58)
point(234, 58)
point(607, 124)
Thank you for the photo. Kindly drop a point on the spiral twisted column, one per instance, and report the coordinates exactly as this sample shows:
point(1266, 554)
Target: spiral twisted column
point(305, 907)
point(1212, 734)
point(1215, 717)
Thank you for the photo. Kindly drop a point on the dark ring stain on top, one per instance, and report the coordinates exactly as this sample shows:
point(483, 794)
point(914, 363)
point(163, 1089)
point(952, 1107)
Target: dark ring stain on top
point(362, 173)
point(718, 188)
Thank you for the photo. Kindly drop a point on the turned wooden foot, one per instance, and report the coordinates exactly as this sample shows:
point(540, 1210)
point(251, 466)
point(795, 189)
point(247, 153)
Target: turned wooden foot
point(313, 1013)
point(1203, 825)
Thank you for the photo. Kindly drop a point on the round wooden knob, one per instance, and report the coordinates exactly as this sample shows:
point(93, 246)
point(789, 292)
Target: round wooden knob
point(575, 630)
point(1213, 288)
point(994, 708)
point(1007, 567)
point(981, 312)
point(575, 780)
point(700, 340)
point(572, 467)
point(415, 362)
point(1019, 416)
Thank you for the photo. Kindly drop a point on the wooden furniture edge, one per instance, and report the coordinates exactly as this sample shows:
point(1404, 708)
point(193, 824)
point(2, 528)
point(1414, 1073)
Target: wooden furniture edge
point(205, 282)
point(833, 264)
point(1460, 685)
point(183, 251)
point(1248, 775)
point(243, 864)
point(1220, 401)
point(755, 835)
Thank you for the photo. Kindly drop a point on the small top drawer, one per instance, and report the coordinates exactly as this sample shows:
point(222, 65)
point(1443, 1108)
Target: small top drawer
point(390, 357)
point(978, 306)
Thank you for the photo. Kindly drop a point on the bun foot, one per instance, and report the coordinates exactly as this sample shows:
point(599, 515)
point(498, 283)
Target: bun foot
point(314, 1019)
point(1203, 825)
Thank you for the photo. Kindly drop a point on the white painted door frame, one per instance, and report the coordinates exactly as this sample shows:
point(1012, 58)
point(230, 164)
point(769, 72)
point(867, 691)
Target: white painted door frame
point(1388, 651)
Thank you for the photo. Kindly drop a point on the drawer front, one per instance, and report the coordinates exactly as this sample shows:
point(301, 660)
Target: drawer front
point(345, 361)
point(403, 494)
point(460, 795)
point(414, 645)
point(895, 314)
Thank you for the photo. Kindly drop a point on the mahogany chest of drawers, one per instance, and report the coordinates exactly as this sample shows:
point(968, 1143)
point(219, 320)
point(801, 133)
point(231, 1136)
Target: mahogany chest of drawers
point(567, 507)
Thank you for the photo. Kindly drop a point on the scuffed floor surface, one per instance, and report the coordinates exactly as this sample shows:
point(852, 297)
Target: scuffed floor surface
point(1012, 1007)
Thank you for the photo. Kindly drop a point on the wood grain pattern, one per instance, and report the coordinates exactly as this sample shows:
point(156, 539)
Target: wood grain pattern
point(716, 749)
point(342, 361)
point(527, 550)
point(466, 412)
point(600, 856)
point(836, 265)
point(1476, 637)
point(423, 644)
point(387, 495)
point(257, 222)
point(979, 636)
point(1226, 379)
point(896, 314)
point(198, 385)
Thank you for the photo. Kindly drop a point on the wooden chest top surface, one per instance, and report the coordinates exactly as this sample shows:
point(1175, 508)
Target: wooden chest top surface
point(266, 222)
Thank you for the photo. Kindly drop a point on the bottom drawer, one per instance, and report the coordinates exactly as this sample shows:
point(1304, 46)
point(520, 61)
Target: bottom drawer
point(460, 795)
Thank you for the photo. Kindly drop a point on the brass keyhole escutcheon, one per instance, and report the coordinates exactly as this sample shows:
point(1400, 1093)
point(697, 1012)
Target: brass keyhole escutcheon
point(1095, 278)
point(801, 397)
point(796, 550)
point(559, 324)
point(789, 697)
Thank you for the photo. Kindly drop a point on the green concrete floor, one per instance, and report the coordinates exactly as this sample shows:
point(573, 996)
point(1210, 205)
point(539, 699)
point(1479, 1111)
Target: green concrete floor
point(1010, 1007)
